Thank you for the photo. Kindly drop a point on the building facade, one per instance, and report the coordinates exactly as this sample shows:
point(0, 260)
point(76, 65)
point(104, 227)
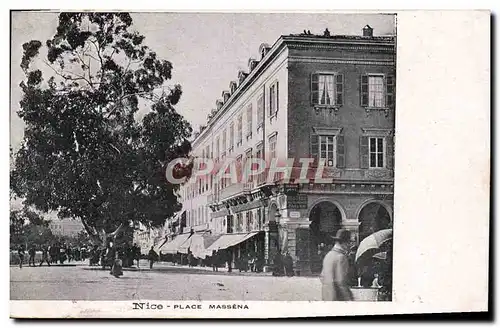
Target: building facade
point(65, 227)
point(325, 100)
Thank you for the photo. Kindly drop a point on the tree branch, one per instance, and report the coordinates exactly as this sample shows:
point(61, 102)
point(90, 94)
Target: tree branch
point(69, 78)
point(118, 230)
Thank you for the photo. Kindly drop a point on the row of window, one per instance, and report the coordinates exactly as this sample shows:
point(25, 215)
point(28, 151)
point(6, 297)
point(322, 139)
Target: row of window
point(375, 152)
point(209, 183)
point(234, 134)
point(376, 90)
point(197, 216)
point(252, 220)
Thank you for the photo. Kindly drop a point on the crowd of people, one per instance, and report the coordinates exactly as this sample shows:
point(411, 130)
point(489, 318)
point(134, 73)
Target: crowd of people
point(52, 253)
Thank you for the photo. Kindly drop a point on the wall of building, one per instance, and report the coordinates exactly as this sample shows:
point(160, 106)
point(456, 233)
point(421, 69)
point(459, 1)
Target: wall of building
point(276, 71)
point(65, 227)
point(351, 117)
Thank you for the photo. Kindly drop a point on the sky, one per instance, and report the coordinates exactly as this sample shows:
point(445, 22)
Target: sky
point(206, 49)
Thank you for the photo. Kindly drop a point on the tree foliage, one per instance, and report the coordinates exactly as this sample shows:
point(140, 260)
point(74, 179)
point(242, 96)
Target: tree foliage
point(85, 154)
point(27, 226)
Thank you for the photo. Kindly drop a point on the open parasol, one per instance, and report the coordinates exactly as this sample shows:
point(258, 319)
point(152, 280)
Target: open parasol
point(372, 244)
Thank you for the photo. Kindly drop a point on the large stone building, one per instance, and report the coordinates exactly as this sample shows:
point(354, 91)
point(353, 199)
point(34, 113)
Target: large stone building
point(327, 98)
point(65, 227)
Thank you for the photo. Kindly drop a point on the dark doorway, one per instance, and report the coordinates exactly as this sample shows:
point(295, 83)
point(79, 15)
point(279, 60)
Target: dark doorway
point(325, 220)
point(373, 217)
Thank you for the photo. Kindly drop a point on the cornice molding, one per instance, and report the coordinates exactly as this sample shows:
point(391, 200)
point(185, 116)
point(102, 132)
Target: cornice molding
point(350, 61)
point(327, 131)
point(377, 132)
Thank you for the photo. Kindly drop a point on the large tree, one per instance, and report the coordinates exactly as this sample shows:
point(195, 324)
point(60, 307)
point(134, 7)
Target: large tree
point(28, 227)
point(85, 153)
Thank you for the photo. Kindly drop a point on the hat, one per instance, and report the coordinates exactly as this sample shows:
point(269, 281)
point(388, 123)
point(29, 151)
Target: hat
point(343, 235)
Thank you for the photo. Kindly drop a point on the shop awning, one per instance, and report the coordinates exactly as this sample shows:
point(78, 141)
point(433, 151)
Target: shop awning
point(198, 244)
point(172, 247)
point(229, 240)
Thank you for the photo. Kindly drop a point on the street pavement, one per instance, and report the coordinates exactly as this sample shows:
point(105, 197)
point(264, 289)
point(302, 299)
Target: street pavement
point(165, 282)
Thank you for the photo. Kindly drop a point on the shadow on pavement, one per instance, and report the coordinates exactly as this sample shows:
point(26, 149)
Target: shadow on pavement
point(186, 270)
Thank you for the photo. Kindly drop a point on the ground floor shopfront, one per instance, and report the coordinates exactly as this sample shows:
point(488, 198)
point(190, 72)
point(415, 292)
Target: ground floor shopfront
point(301, 220)
point(298, 220)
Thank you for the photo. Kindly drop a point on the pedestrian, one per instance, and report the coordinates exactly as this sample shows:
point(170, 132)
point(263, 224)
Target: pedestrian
point(31, 253)
point(229, 260)
point(152, 257)
point(334, 274)
point(117, 266)
point(136, 250)
point(278, 264)
point(54, 251)
point(215, 261)
point(21, 253)
point(62, 254)
point(288, 264)
point(45, 255)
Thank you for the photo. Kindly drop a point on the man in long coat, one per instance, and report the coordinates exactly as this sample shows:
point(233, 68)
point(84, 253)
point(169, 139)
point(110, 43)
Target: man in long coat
point(336, 268)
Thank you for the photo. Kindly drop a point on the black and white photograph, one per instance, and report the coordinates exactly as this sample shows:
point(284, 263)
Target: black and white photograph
point(203, 156)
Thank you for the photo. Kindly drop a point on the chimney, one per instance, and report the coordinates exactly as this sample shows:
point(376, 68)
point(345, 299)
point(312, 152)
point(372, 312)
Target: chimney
point(367, 31)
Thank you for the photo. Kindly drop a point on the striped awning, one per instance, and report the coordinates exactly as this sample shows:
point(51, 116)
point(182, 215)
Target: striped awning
point(172, 247)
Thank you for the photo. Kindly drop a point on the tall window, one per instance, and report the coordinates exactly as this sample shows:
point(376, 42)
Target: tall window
point(202, 179)
point(273, 99)
point(239, 136)
point(249, 121)
point(327, 89)
point(260, 111)
point(377, 91)
point(248, 221)
point(327, 149)
point(246, 165)
point(239, 168)
point(376, 152)
point(231, 137)
point(239, 222)
point(207, 154)
point(272, 147)
point(224, 143)
point(217, 148)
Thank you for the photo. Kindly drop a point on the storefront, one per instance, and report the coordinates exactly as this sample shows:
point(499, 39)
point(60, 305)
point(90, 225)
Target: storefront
point(303, 222)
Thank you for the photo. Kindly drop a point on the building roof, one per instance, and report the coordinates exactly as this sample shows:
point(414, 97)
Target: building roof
point(285, 40)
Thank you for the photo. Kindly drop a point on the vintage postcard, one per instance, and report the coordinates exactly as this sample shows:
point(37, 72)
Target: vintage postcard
point(216, 164)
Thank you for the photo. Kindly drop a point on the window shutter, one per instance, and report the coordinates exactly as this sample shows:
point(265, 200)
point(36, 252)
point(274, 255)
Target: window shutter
point(364, 91)
point(389, 90)
point(339, 90)
point(314, 148)
point(363, 152)
point(340, 151)
point(389, 152)
point(277, 98)
point(314, 89)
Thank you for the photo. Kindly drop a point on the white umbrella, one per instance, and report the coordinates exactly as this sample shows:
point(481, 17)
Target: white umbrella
point(371, 244)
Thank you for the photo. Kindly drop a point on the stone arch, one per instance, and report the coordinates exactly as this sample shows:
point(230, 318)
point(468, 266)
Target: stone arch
point(373, 200)
point(272, 210)
point(326, 199)
point(373, 215)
